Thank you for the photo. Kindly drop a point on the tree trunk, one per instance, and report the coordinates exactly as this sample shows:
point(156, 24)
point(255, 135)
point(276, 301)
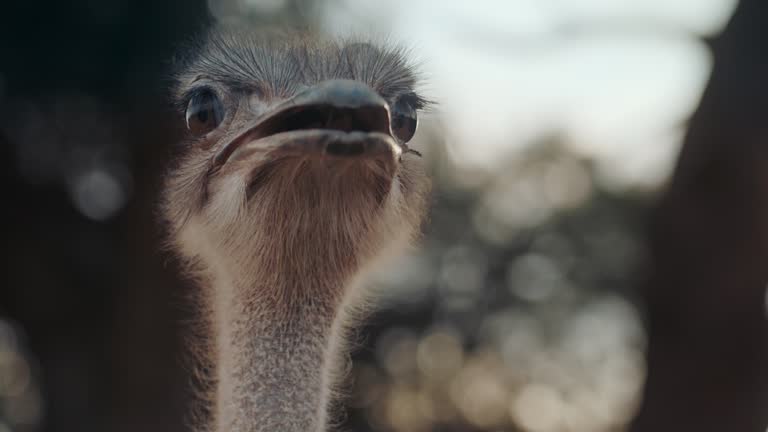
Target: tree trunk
point(706, 297)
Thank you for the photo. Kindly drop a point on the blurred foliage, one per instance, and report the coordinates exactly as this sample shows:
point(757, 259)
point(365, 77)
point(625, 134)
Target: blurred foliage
point(518, 313)
point(21, 407)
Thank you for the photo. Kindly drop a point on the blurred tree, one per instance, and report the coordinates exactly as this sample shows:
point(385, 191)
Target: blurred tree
point(708, 352)
point(93, 296)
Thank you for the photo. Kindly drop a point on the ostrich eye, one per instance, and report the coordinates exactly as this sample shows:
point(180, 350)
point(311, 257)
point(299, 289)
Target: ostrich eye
point(404, 120)
point(204, 112)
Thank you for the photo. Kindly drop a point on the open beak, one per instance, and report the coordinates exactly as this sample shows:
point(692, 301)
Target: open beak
point(336, 118)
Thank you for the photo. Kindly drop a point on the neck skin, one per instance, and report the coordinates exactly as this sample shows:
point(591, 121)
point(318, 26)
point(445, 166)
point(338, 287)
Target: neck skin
point(283, 274)
point(276, 345)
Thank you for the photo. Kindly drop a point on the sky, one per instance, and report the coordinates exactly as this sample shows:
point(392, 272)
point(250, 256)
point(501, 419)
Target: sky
point(616, 80)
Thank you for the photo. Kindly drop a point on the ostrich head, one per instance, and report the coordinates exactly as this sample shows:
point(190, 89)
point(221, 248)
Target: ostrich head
point(296, 177)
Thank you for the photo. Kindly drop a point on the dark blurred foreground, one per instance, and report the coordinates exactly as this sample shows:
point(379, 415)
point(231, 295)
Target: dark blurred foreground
point(97, 310)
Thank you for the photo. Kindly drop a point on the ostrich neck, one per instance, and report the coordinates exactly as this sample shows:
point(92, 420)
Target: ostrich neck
point(276, 346)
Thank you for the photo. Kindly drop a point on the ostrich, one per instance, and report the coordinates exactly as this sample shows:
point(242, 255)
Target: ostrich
point(296, 180)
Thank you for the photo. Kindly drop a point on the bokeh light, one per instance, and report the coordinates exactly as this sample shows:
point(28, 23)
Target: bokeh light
point(20, 398)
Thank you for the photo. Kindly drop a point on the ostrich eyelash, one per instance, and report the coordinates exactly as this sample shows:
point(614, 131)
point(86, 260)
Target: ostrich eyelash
point(416, 152)
point(415, 101)
point(408, 150)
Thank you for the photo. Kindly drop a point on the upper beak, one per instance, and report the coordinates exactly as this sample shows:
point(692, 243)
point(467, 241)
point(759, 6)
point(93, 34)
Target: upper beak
point(336, 105)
